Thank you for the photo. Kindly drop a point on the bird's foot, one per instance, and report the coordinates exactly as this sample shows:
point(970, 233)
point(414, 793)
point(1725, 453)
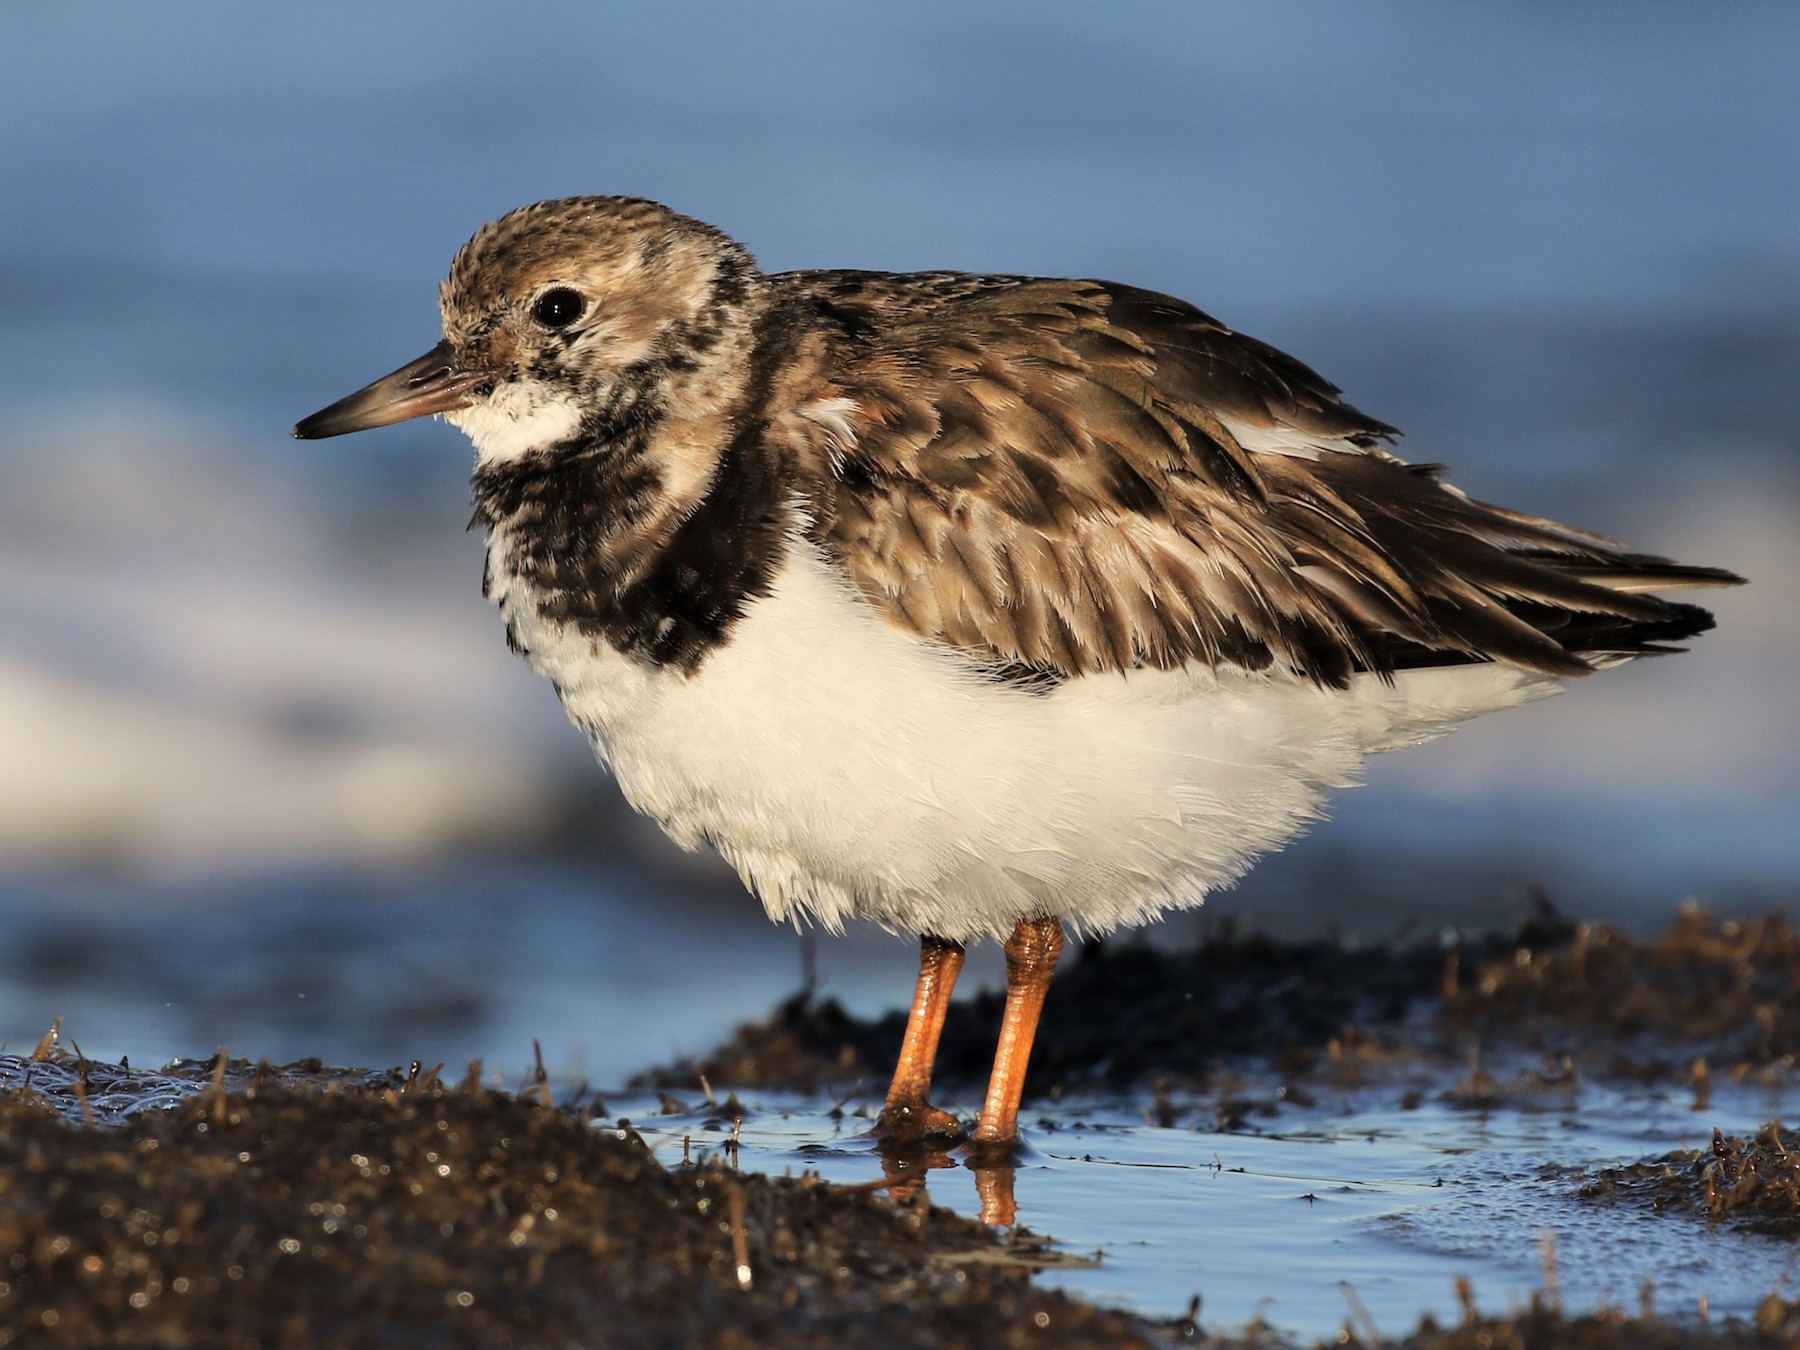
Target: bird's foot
point(990, 1149)
point(923, 1125)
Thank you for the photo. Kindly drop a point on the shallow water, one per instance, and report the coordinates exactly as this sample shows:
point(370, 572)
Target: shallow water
point(1355, 1193)
point(602, 966)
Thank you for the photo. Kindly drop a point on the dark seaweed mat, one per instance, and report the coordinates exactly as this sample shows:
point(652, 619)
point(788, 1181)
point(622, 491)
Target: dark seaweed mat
point(1117, 1015)
point(365, 1214)
point(1724, 993)
point(1776, 1325)
point(1751, 1183)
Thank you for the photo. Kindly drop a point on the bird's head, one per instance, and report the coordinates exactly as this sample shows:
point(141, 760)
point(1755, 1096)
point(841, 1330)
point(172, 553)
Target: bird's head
point(582, 317)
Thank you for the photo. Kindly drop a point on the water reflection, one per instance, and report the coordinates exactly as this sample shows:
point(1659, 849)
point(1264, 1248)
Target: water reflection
point(906, 1169)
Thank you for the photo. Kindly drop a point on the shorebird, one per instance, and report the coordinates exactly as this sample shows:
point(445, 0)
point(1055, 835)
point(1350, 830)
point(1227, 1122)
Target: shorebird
point(979, 606)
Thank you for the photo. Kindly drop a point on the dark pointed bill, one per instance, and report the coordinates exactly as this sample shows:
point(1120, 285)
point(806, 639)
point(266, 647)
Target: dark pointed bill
point(435, 383)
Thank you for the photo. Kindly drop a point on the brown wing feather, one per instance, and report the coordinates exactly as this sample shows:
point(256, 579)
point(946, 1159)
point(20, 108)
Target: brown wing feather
point(1045, 475)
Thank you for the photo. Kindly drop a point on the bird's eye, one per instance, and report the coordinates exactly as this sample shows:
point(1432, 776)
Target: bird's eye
point(558, 307)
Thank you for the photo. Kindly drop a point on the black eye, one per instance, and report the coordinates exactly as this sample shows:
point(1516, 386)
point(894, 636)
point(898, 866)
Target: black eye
point(558, 307)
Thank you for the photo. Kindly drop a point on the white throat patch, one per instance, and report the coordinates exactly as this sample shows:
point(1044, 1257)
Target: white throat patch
point(518, 419)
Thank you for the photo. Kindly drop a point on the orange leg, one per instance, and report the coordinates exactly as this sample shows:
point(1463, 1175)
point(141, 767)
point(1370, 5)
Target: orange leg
point(1031, 955)
point(908, 1114)
point(994, 1187)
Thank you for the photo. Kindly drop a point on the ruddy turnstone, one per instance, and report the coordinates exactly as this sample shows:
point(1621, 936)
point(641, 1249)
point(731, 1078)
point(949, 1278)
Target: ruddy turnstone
point(974, 605)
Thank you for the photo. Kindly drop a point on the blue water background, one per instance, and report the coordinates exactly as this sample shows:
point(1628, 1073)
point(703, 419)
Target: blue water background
point(267, 775)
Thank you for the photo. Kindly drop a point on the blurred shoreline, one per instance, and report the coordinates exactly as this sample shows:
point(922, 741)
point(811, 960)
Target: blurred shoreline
point(267, 770)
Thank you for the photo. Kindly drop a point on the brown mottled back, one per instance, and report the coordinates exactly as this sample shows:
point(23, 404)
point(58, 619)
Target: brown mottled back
point(1076, 476)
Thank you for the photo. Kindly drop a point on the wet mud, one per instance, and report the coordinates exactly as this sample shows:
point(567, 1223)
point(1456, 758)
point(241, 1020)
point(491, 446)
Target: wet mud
point(226, 1203)
point(362, 1211)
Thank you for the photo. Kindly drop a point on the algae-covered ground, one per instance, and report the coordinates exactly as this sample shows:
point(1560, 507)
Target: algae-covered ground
point(230, 1204)
point(1704, 998)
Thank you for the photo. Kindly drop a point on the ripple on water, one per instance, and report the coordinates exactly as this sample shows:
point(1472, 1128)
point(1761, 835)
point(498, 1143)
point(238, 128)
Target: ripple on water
point(1395, 1203)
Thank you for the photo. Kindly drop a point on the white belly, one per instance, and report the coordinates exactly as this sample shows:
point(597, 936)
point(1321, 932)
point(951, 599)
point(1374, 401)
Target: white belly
point(844, 768)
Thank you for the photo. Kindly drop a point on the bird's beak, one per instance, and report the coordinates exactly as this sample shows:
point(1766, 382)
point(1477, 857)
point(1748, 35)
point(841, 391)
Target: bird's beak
point(435, 383)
